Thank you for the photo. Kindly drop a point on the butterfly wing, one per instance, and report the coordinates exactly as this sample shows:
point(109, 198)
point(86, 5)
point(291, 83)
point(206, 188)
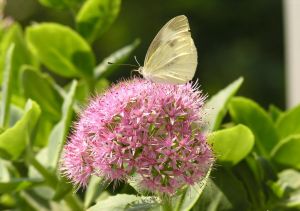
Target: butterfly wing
point(172, 55)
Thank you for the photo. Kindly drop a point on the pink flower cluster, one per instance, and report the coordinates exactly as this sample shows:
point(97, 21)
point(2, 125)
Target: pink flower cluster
point(141, 127)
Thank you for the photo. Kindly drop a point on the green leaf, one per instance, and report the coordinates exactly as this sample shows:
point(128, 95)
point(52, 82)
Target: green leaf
point(261, 168)
point(217, 105)
point(287, 152)
point(19, 101)
point(232, 145)
point(223, 192)
point(4, 172)
point(122, 202)
point(114, 203)
point(6, 88)
point(288, 123)
point(287, 188)
point(219, 202)
point(102, 85)
point(288, 181)
point(62, 189)
point(104, 69)
point(15, 114)
point(60, 4)
point(45, 95)
point(134, 181)
point(42, 158)
point(290, 178)
point(294, 200)
point(61, 129)
point(274, 112)
point(13, 141)
point(61, 49)
point(249, 113)
point(255, 189)
point(96, 16)
point(33, 201)
point(95, 188)
point(2, 24)
point(82, 92)
point(145, 203)
point(42, 131)
point(192, 194)
point(17, 184)
point(20, 56)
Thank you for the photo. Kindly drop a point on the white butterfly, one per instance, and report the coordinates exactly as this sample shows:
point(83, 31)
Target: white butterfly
point(172, 55)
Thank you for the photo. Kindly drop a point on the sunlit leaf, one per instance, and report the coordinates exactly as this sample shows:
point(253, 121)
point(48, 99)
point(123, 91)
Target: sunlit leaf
point(288, 123)
point(61, 49)
point(216, 106)
point(287, 188)
point(232, 145)
point(4, 172)
point(14, 140)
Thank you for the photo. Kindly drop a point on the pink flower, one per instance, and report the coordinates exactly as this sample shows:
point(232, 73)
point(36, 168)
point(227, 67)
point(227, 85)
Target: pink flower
point(145, 128)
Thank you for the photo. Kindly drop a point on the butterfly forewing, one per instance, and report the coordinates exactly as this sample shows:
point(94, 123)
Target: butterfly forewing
point(172, 55)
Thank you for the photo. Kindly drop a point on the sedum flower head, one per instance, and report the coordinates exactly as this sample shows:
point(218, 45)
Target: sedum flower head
point(144, 128)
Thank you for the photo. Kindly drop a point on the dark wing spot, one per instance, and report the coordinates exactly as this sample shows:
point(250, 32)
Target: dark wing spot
point(172, 43)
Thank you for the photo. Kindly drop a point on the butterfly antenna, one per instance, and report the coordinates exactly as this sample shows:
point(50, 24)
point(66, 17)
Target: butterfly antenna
point(130, 65)
point(137, 61)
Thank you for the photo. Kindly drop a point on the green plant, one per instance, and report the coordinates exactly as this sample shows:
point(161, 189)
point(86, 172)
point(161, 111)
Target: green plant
point(257, 156)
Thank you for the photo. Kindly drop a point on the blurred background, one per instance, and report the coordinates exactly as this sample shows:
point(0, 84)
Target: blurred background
point(233, 38)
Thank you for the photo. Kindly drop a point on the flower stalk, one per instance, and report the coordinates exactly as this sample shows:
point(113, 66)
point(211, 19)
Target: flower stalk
point(71, 199)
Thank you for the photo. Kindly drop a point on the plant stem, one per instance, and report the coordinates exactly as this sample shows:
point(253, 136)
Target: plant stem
point(179, 203)
point(166, 205)
point(71, 199)
point(73, 202)
point(91, 82)
point(50, 178)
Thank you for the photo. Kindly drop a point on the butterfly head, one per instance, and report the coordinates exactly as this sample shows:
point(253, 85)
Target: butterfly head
point(140, 70)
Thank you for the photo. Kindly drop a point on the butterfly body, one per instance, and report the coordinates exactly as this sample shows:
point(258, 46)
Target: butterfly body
point(172, 55)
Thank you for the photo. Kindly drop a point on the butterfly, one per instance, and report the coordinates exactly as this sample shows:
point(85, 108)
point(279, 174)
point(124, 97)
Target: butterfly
point(172, 55)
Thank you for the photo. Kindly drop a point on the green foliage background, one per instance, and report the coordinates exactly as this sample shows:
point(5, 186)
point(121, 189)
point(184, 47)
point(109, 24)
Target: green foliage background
point(49, 70)
point(233, 38)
